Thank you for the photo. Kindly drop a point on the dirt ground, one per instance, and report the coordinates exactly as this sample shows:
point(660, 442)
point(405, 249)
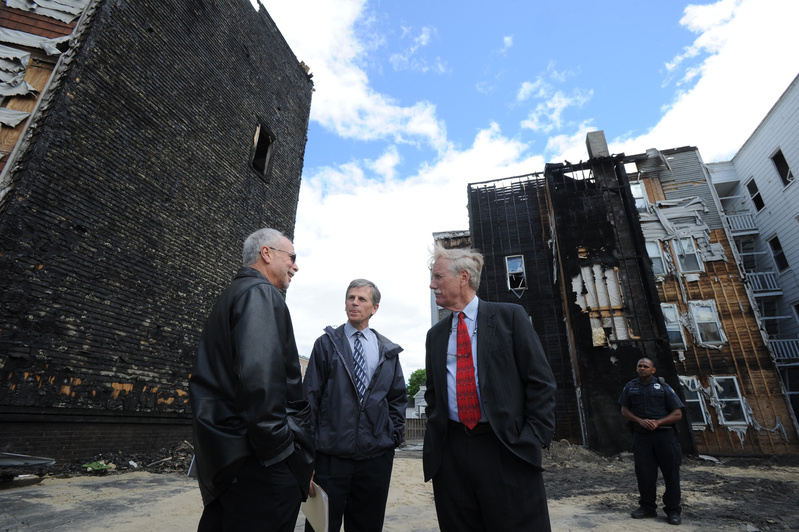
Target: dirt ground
point(585, 491)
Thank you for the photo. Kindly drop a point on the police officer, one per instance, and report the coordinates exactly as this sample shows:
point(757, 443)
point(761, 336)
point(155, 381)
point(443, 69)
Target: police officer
point(652, 408)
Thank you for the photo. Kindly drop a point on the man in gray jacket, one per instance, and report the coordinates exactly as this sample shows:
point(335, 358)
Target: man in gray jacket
point(252, 434)
point(356, 390)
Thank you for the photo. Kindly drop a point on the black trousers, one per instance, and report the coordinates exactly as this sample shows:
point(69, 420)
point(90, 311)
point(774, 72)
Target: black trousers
point(652, 450)
point(261, 498)
point(482, 486)
point(357, 491)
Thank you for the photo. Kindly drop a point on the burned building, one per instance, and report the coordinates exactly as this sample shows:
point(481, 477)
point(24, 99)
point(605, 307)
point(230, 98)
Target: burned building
point(733, 394)
point(508, 223)
point(623, 257)
point(153, 138)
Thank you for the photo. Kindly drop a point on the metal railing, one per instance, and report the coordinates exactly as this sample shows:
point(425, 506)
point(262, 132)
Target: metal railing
point(742, 224)
point(763, 283)
point(785, 349)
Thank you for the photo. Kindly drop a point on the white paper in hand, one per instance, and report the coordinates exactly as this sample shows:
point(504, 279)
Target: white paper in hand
point(316, 510)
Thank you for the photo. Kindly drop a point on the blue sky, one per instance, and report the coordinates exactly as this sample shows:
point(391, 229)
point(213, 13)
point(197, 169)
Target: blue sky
point(414, 100)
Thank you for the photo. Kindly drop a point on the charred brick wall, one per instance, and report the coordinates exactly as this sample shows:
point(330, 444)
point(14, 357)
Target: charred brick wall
point(509, 218)
point(130, 203)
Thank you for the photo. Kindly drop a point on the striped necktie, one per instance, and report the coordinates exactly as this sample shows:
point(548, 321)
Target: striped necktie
point(360, 365)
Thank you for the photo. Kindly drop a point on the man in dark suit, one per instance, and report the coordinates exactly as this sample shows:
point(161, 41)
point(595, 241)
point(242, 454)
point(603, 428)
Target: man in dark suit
point(490, 406)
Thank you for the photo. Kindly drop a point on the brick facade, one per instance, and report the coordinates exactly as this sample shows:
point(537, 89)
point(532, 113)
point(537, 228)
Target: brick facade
point(131, 196)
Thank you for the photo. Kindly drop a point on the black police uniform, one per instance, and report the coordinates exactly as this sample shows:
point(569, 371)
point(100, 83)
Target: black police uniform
point(654, 448)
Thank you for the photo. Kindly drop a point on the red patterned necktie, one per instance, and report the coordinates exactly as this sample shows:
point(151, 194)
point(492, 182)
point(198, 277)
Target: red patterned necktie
point(468, 402)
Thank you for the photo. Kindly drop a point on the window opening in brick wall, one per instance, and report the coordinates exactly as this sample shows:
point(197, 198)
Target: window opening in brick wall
point(728, 394)
point(754, 194)
point(262, 149)
point(782, 168)
point(779, 256)
point(517, 278)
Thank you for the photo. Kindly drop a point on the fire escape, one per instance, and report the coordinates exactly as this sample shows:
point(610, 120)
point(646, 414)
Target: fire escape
point(760, 272)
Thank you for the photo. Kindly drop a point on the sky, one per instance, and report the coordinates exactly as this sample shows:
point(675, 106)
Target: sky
point(415, 100)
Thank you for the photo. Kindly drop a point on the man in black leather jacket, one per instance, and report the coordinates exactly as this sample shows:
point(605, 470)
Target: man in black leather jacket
point(358, 416)
point(253, 445)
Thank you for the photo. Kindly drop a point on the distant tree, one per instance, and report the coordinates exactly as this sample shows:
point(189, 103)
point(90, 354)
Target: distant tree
point(416, 380)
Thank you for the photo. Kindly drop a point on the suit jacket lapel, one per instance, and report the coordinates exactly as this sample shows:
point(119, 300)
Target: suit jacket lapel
point(486, 326)
point(440, 341)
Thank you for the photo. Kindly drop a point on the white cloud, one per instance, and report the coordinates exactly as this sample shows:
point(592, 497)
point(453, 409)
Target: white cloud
point(408, 59)
point(748, 63)
point(547, 116)
point(344, 101)
point(507, 43)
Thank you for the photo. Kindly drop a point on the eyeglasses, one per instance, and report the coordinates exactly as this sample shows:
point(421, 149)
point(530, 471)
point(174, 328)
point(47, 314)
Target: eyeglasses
point(292, 256)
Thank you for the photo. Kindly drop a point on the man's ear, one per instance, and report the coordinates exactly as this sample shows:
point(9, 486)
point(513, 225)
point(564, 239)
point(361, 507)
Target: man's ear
point(374, 309)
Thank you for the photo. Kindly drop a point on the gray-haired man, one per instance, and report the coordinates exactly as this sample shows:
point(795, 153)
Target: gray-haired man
point(356, 390)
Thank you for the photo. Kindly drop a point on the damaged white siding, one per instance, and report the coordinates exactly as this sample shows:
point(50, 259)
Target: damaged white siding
point(62, 10)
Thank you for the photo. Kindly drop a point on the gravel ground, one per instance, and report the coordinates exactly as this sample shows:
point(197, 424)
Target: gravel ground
point(586, 492)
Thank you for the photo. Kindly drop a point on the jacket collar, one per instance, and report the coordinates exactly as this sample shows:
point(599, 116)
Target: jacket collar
point(337, 335)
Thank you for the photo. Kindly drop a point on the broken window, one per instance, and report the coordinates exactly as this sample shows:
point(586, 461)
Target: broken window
point(673, 326)
point(639, 195)
point(706, 322)
point(687, 255)
point(779, 256)
point(782, 168)
point(754, 193)
point(655, 253)
point(695, 402)
point(262, 149)
point(730, 402)
point(517, 279)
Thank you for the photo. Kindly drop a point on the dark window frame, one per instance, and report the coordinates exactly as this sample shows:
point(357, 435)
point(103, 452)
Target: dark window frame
point(777, 253)
point(754, 195)
point(262, 150)
point(517, 279)
point(783, 169)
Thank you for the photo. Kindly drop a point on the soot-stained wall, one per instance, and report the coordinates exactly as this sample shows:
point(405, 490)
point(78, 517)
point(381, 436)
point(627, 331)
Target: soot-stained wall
point(600, 247)
point(509, 218)
point(129, 202)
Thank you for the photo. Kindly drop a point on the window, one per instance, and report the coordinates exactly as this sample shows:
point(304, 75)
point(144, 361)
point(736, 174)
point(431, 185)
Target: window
point(687, 255)
point(754, 193)
point(779, 257)
point(655, 253)
point(694, 402)
point(639, 195)
point(673, 326)
point(517, 279)
point(731, 406)
point(782, 168)
point(262, 149)
point(706, 322)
